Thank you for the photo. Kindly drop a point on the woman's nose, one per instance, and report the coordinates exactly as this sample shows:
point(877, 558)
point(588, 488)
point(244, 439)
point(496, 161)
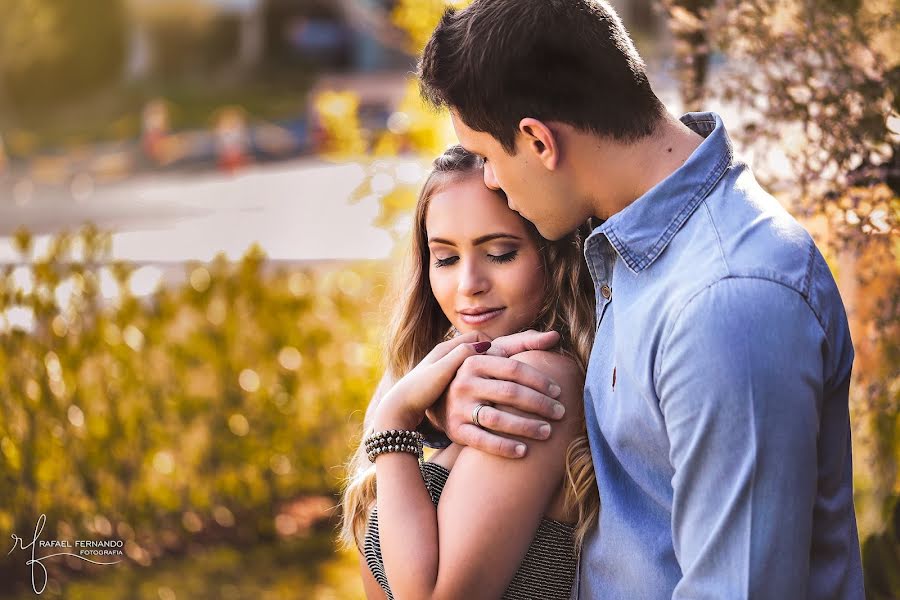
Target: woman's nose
point(472, 280)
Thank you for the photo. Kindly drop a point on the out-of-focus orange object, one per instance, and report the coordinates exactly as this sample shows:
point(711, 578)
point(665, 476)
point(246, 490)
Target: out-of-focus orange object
point(232, 139)
point(155, 129)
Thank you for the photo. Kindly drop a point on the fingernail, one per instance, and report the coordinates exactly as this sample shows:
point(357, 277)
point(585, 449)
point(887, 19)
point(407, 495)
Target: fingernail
point(555, 390)
point(481, 347)
point(559, 410)
point(520, 450)
point(544, 431)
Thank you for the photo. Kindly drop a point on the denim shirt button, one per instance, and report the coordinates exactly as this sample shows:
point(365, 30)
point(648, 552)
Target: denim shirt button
point(606, 292)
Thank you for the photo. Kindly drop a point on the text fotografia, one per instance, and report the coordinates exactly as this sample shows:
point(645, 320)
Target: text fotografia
point(95, 548)
point(88, 547)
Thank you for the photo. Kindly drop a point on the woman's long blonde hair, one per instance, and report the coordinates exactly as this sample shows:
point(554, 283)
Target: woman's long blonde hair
point(419, 324)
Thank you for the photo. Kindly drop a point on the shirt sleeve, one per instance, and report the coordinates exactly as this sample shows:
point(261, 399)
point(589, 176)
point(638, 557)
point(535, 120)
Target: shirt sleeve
point(740, 385)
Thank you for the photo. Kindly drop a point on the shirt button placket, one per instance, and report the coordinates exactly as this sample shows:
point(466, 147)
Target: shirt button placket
point(602, 301)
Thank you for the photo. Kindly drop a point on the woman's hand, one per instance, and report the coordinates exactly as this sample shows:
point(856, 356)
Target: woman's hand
point(404, 405)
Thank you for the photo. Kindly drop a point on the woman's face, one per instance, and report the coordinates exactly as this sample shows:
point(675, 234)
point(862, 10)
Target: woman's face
point(485, 270)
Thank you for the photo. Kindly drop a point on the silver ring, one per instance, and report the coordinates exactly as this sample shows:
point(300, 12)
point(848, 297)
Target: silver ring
point(477, 408)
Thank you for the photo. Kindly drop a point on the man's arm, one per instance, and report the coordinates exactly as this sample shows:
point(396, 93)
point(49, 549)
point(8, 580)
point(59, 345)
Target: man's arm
point(740, 384)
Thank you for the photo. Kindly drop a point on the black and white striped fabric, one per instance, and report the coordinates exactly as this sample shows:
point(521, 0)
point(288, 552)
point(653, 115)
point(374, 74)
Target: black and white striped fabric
point(547, 572)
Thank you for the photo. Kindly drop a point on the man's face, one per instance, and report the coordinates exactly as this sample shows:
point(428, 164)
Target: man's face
point(533, 191)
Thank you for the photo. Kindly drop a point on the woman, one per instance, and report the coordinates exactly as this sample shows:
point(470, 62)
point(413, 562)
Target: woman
point(481, 526)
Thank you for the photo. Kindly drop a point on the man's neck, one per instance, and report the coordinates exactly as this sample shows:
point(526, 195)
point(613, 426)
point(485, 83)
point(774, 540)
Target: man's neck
point(638, 166)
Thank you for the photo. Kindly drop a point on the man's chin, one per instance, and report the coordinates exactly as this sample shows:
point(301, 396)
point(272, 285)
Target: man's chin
point(551, 235)
point(555, 232)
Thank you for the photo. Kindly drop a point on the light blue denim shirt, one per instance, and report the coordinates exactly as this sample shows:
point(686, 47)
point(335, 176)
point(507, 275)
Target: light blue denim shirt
point(716, 396)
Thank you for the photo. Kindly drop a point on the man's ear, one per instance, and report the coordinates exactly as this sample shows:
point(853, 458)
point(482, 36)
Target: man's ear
point(541, 141)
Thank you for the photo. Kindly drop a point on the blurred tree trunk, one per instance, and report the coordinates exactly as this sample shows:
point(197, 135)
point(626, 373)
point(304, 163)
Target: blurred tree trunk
point(687, 21)
point(252, 37)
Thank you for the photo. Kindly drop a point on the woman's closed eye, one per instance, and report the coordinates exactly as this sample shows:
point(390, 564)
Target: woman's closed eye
point(503, 258)
point(495, 258)
point(444, 262)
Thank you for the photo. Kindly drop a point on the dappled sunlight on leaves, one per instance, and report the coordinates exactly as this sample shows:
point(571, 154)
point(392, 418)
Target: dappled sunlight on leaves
point(192, 411)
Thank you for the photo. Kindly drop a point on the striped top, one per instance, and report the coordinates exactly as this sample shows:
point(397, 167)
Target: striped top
point(547, 571)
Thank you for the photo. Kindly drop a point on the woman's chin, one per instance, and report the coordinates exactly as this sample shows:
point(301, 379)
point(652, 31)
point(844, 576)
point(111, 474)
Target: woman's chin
point(492, 330)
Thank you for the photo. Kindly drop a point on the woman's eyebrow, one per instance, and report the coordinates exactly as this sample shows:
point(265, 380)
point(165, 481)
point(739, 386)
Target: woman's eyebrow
point(479, 240)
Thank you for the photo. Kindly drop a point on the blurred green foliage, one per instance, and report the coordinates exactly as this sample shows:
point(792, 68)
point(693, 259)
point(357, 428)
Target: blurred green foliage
point(192, 412)
point(303, 567)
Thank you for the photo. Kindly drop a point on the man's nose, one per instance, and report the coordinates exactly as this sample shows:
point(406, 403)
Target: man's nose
point(489, 180)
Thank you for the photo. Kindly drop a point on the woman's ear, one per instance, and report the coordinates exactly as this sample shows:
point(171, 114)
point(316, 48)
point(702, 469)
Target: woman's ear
point(540, 141)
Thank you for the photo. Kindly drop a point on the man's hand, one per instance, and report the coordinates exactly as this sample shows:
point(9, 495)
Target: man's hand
point(495, 379)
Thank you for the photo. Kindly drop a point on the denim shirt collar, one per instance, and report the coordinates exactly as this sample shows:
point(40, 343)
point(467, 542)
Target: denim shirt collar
point(643, 229)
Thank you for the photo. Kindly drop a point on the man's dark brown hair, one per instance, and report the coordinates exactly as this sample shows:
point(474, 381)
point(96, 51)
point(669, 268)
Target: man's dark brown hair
point(498, 61)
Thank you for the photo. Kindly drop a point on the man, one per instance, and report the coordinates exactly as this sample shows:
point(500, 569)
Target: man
point(716, 394)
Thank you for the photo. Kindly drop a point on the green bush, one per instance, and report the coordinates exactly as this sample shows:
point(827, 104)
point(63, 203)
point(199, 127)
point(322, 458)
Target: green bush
point(195, 410)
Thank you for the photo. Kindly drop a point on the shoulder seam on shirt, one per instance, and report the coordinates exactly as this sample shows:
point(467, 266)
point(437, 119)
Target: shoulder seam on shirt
point(811, 261)
point(715, 229)
point(664, 345)
point(807, 285)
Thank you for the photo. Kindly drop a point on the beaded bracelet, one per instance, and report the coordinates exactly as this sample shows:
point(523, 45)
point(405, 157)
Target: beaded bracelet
point(394, 440)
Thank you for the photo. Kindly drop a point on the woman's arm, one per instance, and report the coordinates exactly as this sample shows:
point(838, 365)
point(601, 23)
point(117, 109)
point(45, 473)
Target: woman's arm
point(383, 386)
point(489, 512)
point(370, 586)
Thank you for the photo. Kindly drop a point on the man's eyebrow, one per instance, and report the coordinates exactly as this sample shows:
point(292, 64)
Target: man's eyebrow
point(478, 241)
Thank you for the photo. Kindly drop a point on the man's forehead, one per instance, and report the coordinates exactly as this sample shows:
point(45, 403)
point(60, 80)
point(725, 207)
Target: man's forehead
point(468, 138)
point(462, 131)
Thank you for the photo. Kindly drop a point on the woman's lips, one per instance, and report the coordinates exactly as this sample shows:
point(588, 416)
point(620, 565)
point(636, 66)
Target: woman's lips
point(481, 317)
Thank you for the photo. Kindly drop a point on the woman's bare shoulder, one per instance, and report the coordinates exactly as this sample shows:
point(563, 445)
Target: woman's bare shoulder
point(445, 457)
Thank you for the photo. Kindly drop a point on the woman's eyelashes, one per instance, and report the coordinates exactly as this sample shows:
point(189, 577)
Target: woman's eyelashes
point(503, 258)
point(445, 262)
point(494, 258)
